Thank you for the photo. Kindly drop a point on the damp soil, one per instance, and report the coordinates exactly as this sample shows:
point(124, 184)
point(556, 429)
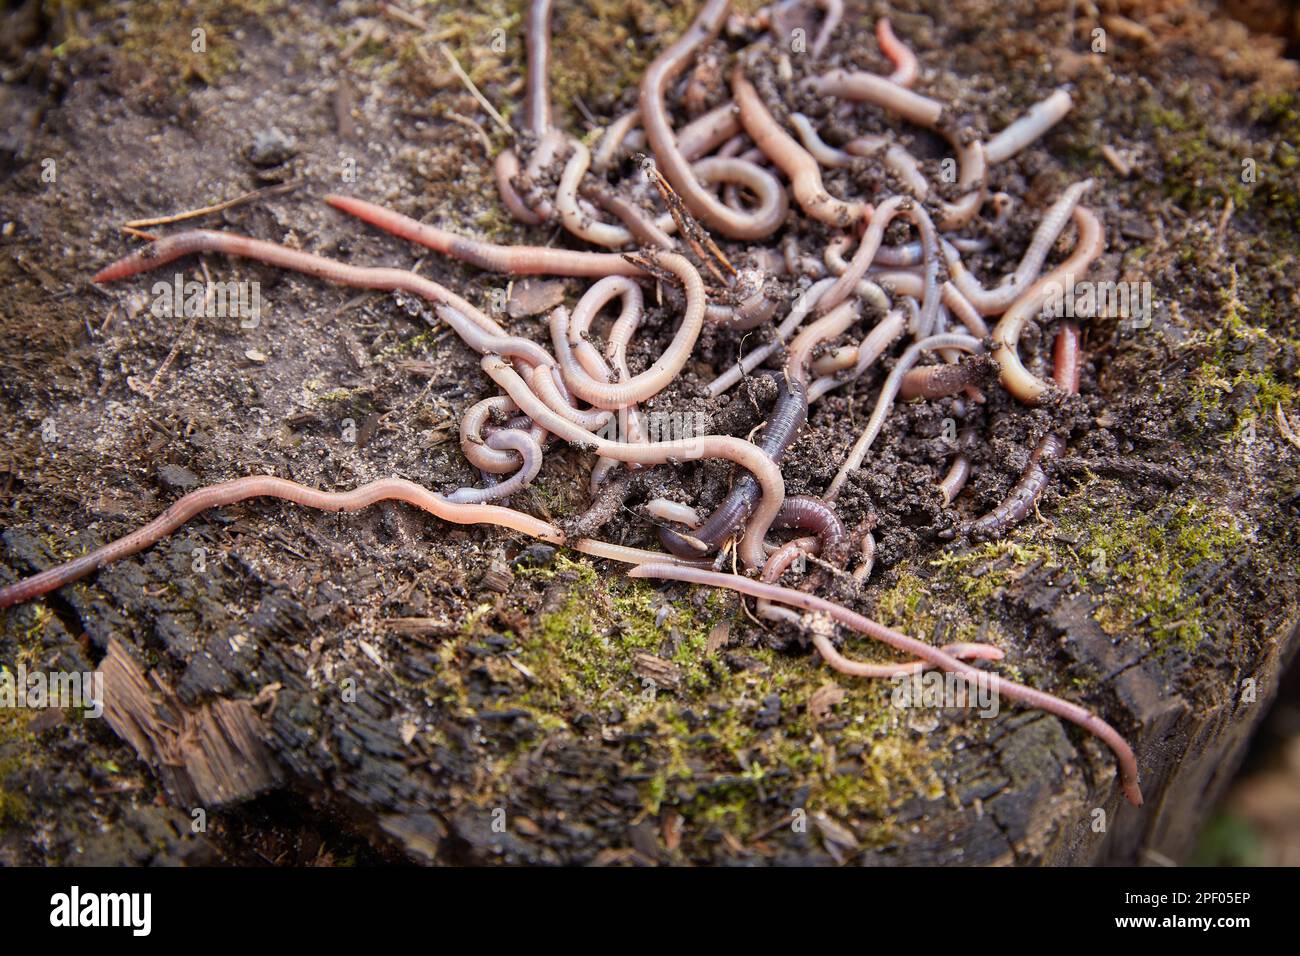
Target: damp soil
point(451, 695)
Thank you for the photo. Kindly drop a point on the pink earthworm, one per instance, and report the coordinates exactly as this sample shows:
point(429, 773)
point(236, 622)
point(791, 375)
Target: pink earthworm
point(886, 400)
point(474, 445)
point(937, 381)
point(995, 301)
point(912, 284)
point(530, 452)
point(582, 225)
point(870, 244)
point(867, 549)
point(482, 341)
point(792, 159)
point(537, 101)
point(904, 60)
point(675, 168)
point(268, 486)
point(802, 307)
point(737, 450)
point(544, 387)
point(666, 368)
point(511, 260)
point(1126, 761)
point(505, 170)
point(366, 277)
point(884, 334)
point(1018, 380)
point(1041, 117)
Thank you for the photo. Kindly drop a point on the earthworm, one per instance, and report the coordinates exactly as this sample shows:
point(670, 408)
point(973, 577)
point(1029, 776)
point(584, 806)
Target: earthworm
point(994, 301)
point(664, 509)
point(878, 91)
point(514, 440)
point(511, 260)
point(644, 229)
point(912, 284)
point(581, 225)
point(778, 563)
point(742, 453)
point(544, 387)
point(1023, 496)
point(792, 159)
point(656, 378)
point(1020, 500)
point(474, 445)
point(1127, 763)
point(1041, 117)
point(937, 381)
point(537, 101)
point(788, 415)
point(268, 486)
point(870, 243)
point(205, 240)
point(959, 470)
point(1018, 380)
point(708, 131)
point(811, 514)
point(483, 341)
point(505, 170)
point(868, 550)
point(798, 312)
point(885, 332)
point(904, 60)
point(717, 216)
point(887, 392)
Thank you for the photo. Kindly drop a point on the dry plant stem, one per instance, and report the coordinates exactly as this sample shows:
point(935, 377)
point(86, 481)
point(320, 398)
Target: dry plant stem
point(659, 132)
point(1128, 771)
point(511, 260)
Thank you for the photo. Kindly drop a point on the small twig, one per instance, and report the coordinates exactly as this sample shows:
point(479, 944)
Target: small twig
point(474, 90)
point(135, 225)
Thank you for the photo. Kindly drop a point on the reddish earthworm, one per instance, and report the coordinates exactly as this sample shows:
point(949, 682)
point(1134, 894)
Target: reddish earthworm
point(886, 400)
point(268, 486)
point(868, 550)
point(1041, 117)
point(1018, 380)
point(884, 334)
point(505, 170)
point(1029, 488)
point(582, 225)
point(703, 205)
point(366, 277)
point(904, 60)
point(1128, 771)
point(937, 381)
point(511, 260)
point(792, 159)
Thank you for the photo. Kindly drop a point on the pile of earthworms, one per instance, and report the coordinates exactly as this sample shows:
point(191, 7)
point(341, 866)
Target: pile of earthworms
point(658, 198)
